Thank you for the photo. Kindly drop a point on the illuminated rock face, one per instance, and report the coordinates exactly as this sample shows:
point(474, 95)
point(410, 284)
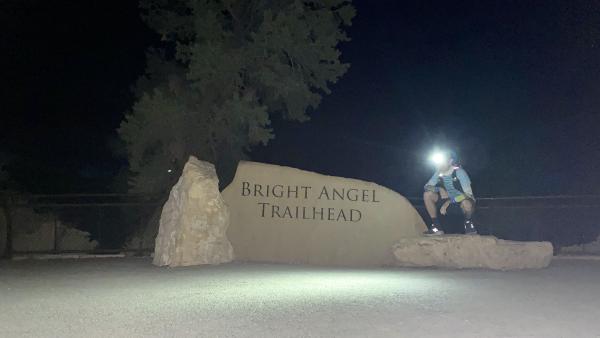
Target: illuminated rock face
point(287, 215)
point(194, 220)
point(461, 251)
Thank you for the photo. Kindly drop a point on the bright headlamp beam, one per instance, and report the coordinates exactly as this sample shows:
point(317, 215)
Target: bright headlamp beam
point(438, 158)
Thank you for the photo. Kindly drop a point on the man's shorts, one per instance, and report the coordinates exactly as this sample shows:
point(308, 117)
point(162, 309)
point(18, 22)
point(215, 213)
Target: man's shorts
point(441, 201)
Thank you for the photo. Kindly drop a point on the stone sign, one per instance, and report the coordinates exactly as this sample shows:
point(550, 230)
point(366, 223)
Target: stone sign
point(282, 214)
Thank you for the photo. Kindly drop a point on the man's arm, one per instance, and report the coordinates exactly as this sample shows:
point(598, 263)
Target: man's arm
point(465, 182)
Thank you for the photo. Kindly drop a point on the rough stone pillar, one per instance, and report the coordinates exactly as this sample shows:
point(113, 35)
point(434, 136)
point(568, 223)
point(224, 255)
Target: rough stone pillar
point(194, 220)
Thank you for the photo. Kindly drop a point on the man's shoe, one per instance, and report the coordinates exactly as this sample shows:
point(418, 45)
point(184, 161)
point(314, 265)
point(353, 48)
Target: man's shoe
point(470, 228)
point(433, 231)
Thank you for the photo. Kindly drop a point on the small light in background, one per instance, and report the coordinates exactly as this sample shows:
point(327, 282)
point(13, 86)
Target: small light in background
point(170, 171)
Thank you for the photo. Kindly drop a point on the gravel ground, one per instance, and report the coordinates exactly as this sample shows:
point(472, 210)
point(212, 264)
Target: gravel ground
point(131, 298)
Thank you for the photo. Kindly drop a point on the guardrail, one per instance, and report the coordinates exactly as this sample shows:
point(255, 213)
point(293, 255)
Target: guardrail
point(66, 223)
point(45, 223)
point(563, 220)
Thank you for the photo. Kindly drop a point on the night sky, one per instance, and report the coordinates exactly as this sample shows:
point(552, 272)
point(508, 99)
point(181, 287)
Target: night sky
point(513, 86)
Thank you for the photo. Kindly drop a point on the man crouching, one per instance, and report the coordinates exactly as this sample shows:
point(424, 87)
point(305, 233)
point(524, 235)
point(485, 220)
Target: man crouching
point(449, 184)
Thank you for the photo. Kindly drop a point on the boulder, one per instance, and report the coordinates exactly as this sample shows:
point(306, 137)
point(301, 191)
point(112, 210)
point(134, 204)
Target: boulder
point(194, 220)
point(460, 251)
point(71, 239)
point(287, 215)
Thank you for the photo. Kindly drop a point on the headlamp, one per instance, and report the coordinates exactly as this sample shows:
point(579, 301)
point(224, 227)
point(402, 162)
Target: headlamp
point(438, 158)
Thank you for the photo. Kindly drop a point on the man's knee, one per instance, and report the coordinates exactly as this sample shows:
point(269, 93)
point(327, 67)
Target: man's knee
point(467, 205)
point(430, 196)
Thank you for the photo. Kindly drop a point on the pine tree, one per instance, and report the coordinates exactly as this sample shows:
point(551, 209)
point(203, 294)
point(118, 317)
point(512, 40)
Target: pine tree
point(225, 69)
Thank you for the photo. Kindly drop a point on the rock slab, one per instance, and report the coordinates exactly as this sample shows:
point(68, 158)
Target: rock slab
point(287, 215)
point(194, 220)
point(460, 251)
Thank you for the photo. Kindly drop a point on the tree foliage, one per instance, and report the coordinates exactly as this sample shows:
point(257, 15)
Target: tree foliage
point(226, 67)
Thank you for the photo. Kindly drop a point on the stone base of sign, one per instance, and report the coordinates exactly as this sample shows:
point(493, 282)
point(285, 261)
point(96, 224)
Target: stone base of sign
point(287, 215)
point(194, 220)
point(462, 251)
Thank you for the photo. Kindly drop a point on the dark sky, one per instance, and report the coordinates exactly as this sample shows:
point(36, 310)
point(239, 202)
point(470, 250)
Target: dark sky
point(513, 86)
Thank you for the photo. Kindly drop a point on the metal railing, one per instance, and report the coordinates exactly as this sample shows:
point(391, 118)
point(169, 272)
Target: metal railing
point(92, 223)
point(122, 222)
point(563, 220)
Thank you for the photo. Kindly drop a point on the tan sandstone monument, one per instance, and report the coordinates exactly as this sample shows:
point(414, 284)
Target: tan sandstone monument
point(194, 220)
point(287, 215)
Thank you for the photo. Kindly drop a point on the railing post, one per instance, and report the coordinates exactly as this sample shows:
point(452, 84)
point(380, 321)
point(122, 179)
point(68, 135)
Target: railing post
point(99, 226)
point(7, 203)
point(3, 227)
point(55, 232)
point(142, 233)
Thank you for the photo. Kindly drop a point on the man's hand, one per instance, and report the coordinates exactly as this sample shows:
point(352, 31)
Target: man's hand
point(444, 208)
